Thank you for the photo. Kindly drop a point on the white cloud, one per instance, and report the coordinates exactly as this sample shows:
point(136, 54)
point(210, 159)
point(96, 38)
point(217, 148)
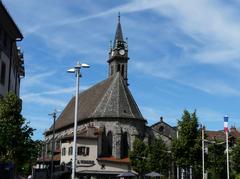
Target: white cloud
point(163, 68)
point(149, 113)
point(40, 122)
point(37, 79)
point(44, 101)
point(209, 23)
point(215, 87)
point(206, 115)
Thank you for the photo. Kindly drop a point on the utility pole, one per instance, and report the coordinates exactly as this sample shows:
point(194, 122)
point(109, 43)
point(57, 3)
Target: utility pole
point(54, 115)
point(177, 166)
point(203, 167)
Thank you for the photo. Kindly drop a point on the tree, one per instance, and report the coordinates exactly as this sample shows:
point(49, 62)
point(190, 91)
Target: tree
point(216, 159)
point(16, 145)
point(159, 157)
point(186, 148)
point(235, 156)
point(139, 156)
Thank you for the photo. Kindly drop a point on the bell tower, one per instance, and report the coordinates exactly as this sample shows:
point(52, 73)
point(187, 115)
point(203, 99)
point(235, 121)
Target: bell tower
point(118, 54)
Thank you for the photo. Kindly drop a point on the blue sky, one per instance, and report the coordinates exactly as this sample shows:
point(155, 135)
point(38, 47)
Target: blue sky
point(184, 54)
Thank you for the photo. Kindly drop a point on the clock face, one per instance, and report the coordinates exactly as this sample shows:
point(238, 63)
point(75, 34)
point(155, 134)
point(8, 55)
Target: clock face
point(121, 52)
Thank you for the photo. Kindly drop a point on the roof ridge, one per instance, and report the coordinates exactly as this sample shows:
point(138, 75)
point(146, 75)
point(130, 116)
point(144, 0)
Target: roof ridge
point(124, 91)
point(118, 104)
point(110, 88)
point(103, 97)
point(135, 104)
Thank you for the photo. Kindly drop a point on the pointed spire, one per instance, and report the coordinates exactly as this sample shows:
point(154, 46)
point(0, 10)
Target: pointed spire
point(118, 35)
point(119, 16)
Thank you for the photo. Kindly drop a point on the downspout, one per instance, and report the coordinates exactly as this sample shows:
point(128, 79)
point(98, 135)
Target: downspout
point(17, 78)
point(10, 65)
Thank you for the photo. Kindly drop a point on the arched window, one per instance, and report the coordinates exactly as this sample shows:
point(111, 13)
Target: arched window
point(122, 72)
point(111, 72)
point(161, 129)
point(124, 145)
point(104, 141)
point(109, 143)
point(63, 151)
point(118, 67)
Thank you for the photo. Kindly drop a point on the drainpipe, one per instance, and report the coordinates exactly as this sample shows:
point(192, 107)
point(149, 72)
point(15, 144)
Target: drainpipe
point(11, 58)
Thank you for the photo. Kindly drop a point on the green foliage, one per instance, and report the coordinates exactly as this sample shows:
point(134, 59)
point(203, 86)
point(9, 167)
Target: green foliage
point(237, 176)
point(159, 157)
point(216, 159)
point(16, 144)
point(187, 148)
point(139, 156)
point(235, 156)
point(156, 157)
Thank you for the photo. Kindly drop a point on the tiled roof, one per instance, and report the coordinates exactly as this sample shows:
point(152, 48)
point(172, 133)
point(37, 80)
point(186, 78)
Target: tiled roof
point(215, 135)
point(56, 157)
point(114, 159)
point(233, 132)
point(87, 132)
point(109, 98)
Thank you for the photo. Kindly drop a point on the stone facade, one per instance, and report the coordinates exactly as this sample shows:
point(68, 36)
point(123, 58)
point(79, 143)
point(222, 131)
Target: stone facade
point(131, 127)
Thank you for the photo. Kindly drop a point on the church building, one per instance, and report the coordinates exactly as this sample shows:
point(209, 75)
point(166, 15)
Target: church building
point(109, 121)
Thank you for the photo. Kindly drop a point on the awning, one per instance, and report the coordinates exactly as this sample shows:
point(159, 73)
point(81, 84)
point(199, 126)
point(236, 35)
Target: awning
point(100, 172)
point(154, 174)
point(127, 174)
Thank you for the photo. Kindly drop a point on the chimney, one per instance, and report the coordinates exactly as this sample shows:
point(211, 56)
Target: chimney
point(161, 119)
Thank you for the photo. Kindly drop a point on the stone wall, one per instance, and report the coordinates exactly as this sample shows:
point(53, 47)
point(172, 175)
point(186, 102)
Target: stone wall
point(133, 128)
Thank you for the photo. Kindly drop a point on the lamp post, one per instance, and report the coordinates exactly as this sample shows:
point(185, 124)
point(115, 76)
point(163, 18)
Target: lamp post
point(54, 115)
point(76, 70)
point(203, 153)
point(226, 132)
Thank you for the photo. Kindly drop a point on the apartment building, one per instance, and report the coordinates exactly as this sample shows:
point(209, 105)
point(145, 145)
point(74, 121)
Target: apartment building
point(11, 57)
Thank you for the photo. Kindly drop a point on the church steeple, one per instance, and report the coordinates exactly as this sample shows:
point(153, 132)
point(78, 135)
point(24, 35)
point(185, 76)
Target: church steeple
point(118, 54)
point(118, 35)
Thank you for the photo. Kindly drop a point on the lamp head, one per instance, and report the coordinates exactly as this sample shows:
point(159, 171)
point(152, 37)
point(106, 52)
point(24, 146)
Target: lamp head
point(84, 65)
point(71, 70)
point(78, 66)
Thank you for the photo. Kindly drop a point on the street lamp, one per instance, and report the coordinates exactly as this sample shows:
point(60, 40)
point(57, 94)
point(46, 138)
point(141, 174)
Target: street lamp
point(54, 115)
point(203, 153)
point(76, 70)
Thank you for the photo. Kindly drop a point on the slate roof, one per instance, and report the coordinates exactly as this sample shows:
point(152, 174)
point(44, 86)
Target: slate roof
point(110, 98)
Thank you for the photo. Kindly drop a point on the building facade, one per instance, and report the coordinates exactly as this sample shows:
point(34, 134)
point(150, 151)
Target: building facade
point(109, 121)
point(11, 57)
